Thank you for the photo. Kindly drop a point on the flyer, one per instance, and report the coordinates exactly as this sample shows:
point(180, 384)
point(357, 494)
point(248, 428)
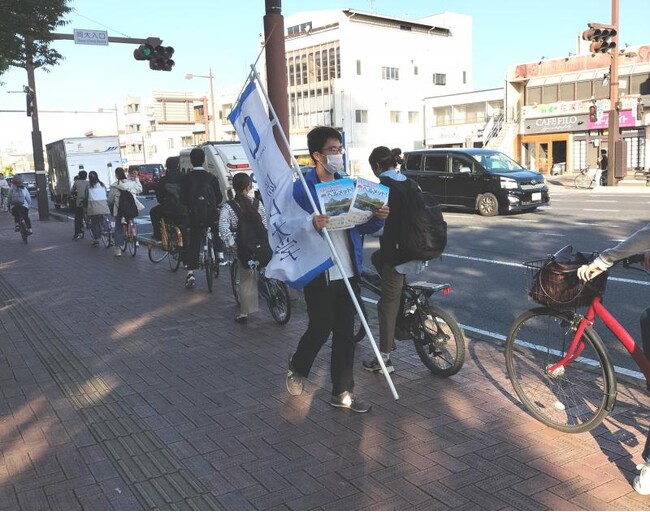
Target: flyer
point(335, 198)
point(368, 198)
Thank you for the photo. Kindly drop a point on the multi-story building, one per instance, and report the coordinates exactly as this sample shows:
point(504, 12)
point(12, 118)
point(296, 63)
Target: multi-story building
point(368, 74)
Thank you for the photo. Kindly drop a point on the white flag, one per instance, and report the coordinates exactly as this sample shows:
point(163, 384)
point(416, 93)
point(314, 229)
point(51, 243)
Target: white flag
point(299, 252)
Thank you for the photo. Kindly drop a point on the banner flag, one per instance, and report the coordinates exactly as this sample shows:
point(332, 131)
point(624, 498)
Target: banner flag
point(299, 252)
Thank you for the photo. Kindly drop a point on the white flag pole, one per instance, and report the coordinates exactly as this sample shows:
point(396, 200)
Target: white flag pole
point(335, 256)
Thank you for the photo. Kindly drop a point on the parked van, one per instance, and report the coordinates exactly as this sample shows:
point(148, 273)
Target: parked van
point(484, 180)
point(223, 159)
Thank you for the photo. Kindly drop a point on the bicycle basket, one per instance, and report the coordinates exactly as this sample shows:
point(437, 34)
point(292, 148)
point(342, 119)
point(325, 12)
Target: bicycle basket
point(556, 284)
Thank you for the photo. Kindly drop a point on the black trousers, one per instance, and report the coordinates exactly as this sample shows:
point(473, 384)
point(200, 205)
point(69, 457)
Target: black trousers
point(78, 220)
point(21, 211)
point(191, 254)
point(158, 212)
point(330, 310)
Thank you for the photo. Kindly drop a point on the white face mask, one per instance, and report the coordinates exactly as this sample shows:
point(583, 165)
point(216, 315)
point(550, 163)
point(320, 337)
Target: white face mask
point(334, 163)
point(251, 193)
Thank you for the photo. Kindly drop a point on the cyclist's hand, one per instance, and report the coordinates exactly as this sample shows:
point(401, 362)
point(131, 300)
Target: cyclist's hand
point(383, 212)
point(320, 221)
point(587, 272)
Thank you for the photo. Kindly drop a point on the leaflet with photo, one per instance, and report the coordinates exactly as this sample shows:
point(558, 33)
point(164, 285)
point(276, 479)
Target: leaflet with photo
point(368, 198)
point(335, 199)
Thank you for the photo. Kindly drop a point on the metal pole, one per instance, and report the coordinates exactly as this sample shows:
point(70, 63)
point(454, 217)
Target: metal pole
point(37, 141)
point(613, 135)
point(117, 128)
point(214, 112)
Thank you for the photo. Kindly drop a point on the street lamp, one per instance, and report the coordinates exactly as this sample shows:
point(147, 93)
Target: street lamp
point(189, 76)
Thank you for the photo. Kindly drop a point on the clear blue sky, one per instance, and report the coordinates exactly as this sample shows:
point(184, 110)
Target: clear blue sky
point(223, 35)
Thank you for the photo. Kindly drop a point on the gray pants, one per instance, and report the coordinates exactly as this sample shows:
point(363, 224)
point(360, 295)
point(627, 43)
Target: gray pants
point(248, 298)
point(388, 306)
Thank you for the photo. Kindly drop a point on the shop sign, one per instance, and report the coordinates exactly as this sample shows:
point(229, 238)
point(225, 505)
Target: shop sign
point(626, 118)
point(572, 107)
point(570, 123)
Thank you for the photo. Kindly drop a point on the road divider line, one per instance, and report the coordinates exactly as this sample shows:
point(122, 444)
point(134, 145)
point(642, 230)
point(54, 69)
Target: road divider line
point(598, 210)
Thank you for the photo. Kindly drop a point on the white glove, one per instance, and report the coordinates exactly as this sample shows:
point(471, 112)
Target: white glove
point(587, 272)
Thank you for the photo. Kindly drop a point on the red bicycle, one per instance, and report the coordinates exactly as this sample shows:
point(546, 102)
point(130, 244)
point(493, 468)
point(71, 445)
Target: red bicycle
point(558, 364)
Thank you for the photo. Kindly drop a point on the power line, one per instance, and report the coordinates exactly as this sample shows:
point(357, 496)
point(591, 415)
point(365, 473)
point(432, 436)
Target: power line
point(100, 24)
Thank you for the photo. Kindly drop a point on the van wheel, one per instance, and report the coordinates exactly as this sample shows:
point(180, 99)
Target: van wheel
point(487, 205)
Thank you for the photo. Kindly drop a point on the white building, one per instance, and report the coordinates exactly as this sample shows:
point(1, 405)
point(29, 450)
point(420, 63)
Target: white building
point(368, 74)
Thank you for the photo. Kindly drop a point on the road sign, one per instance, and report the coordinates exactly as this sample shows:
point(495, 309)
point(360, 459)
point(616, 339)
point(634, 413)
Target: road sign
point(92, 37)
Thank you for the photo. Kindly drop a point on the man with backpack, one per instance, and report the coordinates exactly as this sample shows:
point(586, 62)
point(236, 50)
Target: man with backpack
point(168, 194)
point(414, 233)
point(201, 196)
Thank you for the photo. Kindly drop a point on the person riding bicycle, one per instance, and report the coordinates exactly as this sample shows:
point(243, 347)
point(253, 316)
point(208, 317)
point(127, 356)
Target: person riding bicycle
point(201, 194)
point(78, 192)
point(4, 191)
point(122, 184)
point(228, 223)
point(168, 193)
point(390, 261)
point(20, 201)
point(97, 205)
point(636, 243)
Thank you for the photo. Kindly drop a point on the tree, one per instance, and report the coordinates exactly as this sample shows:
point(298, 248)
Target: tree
point(25, 28)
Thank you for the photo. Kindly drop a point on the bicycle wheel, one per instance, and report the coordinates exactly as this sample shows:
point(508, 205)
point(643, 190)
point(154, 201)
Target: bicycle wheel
point(208, 265)
point(174, 258)
point(278, 300)
point(439, 341)
point(133, 238)
point(583, 181)
point(156, 252)
point(572, 398)
point(234, 279)
point(23, 230)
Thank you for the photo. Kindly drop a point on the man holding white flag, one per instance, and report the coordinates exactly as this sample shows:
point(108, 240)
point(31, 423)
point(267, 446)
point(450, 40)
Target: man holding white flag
point(329, 306)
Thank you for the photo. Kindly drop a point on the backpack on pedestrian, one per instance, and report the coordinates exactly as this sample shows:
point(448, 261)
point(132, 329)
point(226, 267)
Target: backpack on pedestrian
point(252, 240)
point(203, 203)
point(423, 228)
point(16, 198)
point(126, 208)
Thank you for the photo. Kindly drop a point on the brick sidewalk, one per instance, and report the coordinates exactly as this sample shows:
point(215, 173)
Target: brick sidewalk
point(119, 389)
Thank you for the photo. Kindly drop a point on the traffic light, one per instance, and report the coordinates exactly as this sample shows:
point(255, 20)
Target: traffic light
point(143, 52)
point(29, 97)
point(600, 36)
point(161, 60)
point(593, 114)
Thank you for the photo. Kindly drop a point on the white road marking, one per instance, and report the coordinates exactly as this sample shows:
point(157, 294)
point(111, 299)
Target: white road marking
point(598, 210)
point(551, 234)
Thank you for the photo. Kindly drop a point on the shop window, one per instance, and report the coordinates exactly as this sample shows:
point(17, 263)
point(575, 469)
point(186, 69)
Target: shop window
point(533, 95)
point(583, 90)
point(442, 116)
point(566, 92)
point(549, 93)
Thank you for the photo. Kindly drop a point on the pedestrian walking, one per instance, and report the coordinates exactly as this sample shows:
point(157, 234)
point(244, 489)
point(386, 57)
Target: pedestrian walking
point(330, 309)
point(78, 192)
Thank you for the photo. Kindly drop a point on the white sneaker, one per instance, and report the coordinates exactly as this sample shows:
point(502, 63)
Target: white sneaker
point(118, 251)
point(642, 482)
point(189, 281)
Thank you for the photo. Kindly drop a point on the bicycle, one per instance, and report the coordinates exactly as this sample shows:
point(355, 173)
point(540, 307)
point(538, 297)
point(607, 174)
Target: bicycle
point(207, 259)
point(273, 291)
point(556, 361)
point(170, 246)
point(24, 233)
point(437, 337)
point(106, 233)
point(130, 237)
point(587, 178)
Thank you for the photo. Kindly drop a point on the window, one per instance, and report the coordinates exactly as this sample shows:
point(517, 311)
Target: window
point(464, 77)
point(436, 163)
point(458, 162)
point(361, 116)
point(170, 143)
point(640, 84)
point(358, 67)
point(413, 162)
point(549, 93)
point(415, 70)
point(442, 116)
point(439, 79)
point(566, 92)
point(583, 90)
point(600, 91)
point(414, 117)
point(533, 95)
point(394, 116)
point(186, 141)
point(389, 73)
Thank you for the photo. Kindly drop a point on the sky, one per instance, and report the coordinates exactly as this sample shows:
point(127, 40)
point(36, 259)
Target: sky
point(223, 35)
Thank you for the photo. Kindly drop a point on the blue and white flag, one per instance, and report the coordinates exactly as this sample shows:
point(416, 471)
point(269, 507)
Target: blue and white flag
point(299, 252)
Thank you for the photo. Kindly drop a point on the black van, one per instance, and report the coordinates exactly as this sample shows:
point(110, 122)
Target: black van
point(481, 179)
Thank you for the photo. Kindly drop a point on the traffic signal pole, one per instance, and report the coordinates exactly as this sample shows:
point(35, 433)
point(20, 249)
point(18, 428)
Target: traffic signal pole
point(614, 142)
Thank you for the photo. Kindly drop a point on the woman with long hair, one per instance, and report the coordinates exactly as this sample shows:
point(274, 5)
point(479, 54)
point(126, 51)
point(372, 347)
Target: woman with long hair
point(243, 208)
point(121, 184)
point(96, 200)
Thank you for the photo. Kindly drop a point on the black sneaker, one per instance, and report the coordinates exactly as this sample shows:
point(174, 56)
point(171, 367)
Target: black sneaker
point(189, 281)
point(374, 366)
point(17, 228)
point(347, 400)
point(295, 384)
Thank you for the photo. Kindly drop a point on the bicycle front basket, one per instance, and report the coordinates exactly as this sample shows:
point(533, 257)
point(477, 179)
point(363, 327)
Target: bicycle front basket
point(556, 285)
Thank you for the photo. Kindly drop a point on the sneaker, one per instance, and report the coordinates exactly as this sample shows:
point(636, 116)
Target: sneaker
point(95, 243)
point(118, 252)
point(374, 366)
point(189, 281)
point(642, 482)
point(347, 400)
point(17, 228)
point(77, 237)
point(223, 262)
point(137, 243)
point(241, 319)
point(29, 231)
point(295, 384)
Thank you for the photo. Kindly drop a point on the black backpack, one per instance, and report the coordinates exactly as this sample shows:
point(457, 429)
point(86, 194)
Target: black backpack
point(252, 241)
point(202, 202)
point(423, 229)
point(126, 207)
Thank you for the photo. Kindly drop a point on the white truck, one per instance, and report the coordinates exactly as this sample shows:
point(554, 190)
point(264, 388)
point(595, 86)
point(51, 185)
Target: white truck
point(223, 159)
point(66, 157)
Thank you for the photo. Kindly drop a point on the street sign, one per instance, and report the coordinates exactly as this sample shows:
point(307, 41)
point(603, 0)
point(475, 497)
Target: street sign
point(92, 37)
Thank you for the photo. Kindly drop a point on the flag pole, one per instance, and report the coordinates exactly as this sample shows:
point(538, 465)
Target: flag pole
point(337, 262)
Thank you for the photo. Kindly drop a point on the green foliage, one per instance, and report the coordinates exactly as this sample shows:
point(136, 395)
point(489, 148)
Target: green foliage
point(25, 27)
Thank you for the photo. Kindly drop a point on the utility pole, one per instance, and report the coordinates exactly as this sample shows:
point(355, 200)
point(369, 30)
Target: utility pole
point(276, 67)
point(37, 141)
point(616, 148)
